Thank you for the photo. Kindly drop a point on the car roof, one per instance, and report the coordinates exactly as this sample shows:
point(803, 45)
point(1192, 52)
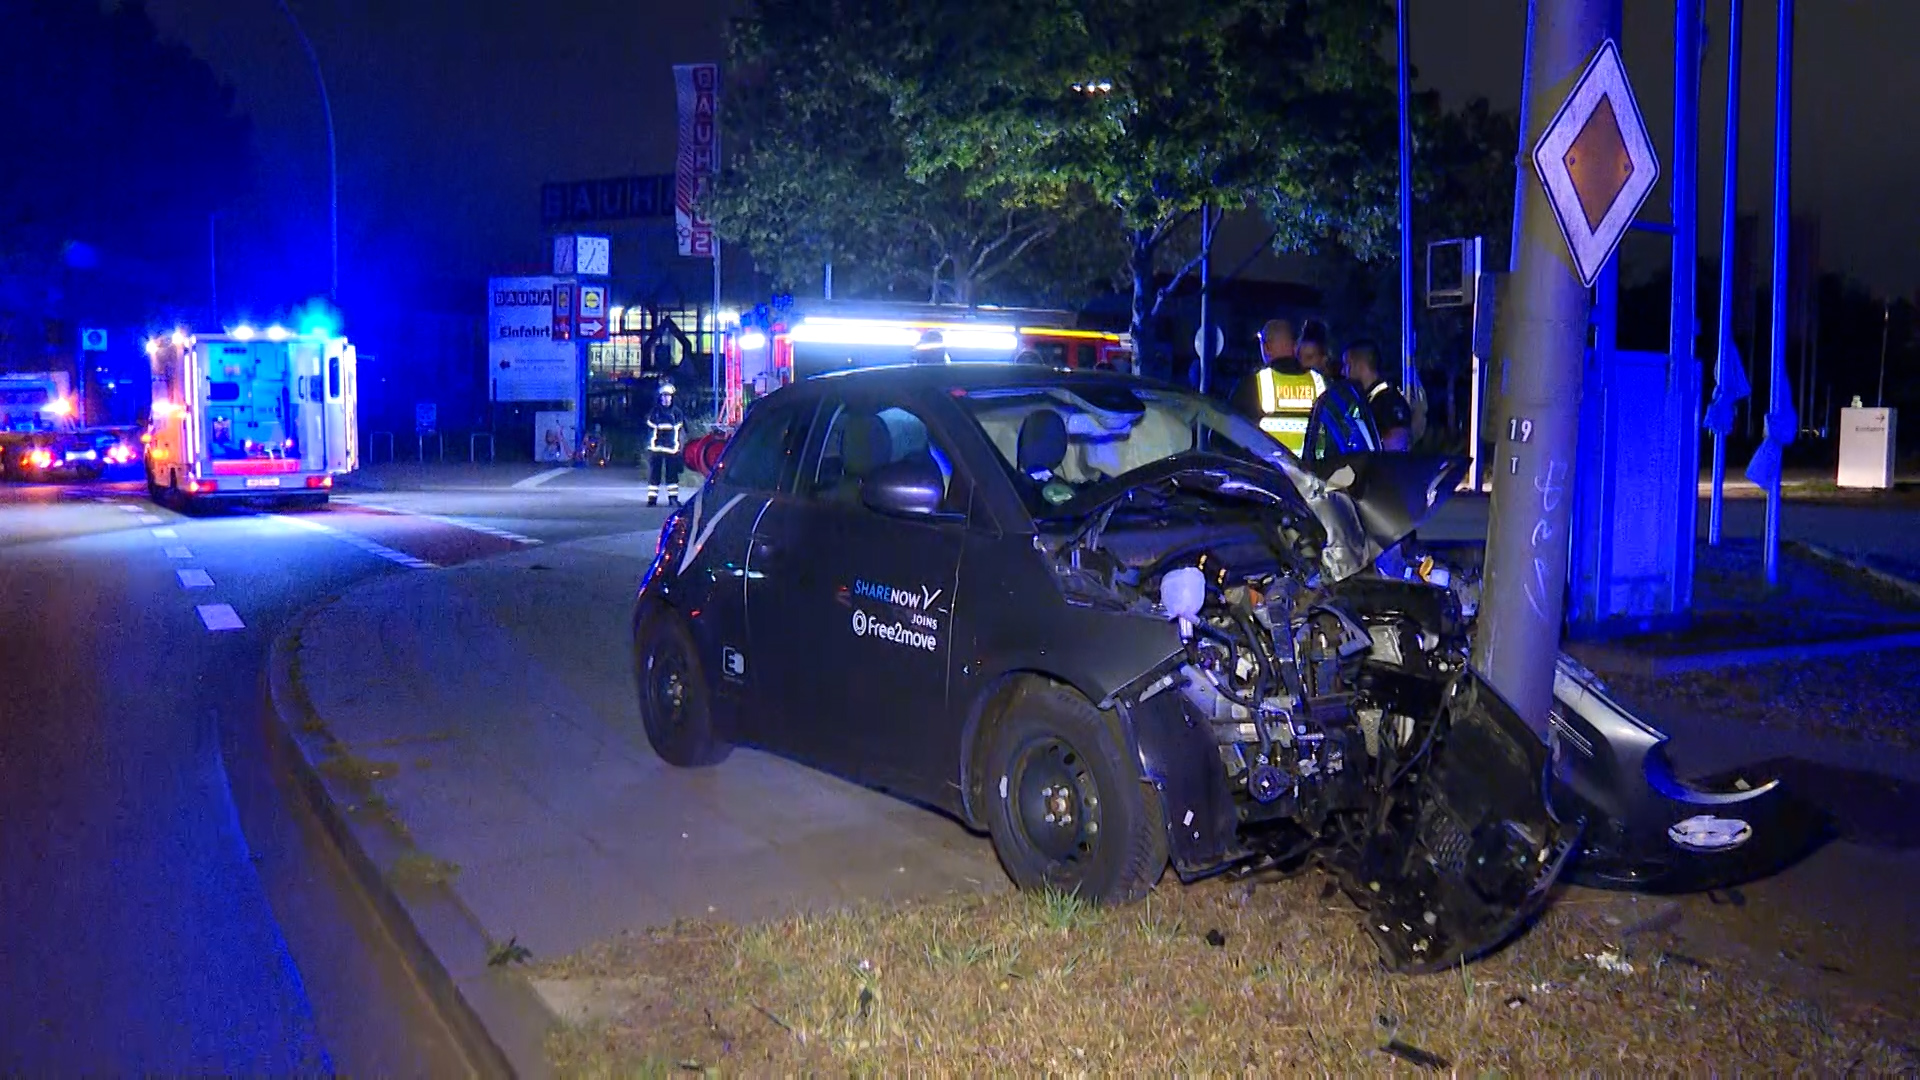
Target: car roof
point(972, 375)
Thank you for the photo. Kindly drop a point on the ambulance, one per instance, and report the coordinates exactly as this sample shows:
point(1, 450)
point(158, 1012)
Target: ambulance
point(251, 416)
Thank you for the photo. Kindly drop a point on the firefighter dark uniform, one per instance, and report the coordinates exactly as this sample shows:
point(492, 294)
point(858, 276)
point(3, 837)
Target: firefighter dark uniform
point(666, 433)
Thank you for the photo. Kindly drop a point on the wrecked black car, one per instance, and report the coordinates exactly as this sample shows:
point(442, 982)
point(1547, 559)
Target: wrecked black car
point(1114, 627)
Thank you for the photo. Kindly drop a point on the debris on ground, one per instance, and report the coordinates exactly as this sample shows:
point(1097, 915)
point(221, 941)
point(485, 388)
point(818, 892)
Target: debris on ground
point(994, 984)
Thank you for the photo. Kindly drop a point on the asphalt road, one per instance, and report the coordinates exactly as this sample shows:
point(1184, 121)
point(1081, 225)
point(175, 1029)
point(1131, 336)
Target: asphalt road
point(166, 904)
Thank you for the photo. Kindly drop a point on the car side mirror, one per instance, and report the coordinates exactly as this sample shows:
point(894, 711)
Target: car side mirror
point(914, 487)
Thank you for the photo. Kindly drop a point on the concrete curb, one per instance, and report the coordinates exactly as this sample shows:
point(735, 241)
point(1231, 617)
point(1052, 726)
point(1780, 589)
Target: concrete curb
point(1909, 589)
point(1604, 658)
point(498, 1020)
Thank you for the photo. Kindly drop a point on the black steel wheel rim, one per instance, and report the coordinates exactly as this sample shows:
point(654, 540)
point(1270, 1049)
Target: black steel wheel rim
point(1055, 801)
point(668, 687)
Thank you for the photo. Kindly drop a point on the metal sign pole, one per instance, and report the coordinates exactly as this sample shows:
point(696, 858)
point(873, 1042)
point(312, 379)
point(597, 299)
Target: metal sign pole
point(1538, 360)
point(1407, 374)
point(1779, 411)
point(1725, 356)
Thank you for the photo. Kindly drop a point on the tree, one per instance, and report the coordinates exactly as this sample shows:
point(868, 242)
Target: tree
point(120, 146)
point(1159, 108)
point(823, 177)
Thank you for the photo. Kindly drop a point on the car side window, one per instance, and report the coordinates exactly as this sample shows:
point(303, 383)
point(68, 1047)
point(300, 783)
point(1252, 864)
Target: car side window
point(765, 453)
point(860, 439)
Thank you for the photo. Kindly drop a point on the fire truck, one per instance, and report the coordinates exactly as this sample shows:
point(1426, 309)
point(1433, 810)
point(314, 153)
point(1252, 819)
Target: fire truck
point(254, 416)
point(776, 345)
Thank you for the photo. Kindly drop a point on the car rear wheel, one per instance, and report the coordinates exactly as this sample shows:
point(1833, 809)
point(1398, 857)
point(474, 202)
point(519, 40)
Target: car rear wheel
point(675, 705)
point(1065, 808)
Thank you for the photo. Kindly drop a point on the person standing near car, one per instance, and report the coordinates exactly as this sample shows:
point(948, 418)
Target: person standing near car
point(1279, 394)
point(666, 430)
point(1338, 421)
point(1392, 414)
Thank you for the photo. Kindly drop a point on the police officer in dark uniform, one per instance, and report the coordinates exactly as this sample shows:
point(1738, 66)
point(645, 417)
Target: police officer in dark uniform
point(1392, 413)
point(666, 433)
point(1340, 422)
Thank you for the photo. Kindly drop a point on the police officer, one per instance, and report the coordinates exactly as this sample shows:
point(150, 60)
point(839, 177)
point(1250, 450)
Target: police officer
point(1392, 414)
point(1279, 393)
point(666, 430)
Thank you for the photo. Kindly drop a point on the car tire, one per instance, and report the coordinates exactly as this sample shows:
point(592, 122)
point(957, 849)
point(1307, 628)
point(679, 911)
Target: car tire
point(676, 704)
point(1054, 757)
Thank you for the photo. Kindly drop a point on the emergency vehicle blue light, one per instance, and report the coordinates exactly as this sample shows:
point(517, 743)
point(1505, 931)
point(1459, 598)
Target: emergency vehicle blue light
point(276, 332)
point(243, 332)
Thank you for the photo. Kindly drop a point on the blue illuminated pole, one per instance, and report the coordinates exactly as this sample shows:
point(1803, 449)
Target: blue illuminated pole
point(1684, 302)
point(1782, 208)
point(1724, 356)
point(333, 167)
point(1406, 210)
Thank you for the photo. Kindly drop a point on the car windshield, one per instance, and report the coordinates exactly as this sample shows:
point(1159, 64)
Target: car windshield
point(1060, 441)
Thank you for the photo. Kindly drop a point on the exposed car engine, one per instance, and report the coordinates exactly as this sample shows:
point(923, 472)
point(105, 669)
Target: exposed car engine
point(1348, 727)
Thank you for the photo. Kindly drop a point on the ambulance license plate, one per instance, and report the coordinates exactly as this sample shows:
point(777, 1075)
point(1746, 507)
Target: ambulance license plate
point(263, 481)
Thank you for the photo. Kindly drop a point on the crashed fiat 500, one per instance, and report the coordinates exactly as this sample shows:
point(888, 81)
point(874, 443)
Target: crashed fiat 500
point(1117, 629)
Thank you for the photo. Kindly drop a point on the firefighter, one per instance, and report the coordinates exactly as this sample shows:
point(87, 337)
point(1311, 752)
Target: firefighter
point(666, 429)
point(1279, 394)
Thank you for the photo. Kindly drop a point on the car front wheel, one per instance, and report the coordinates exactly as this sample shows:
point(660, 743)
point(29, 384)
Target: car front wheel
point(1065, 808)
point(675, 705)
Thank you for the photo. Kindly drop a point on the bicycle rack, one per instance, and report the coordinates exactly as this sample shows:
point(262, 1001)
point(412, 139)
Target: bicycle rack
point(473, 447)
point(373, 441)
point(438, 441)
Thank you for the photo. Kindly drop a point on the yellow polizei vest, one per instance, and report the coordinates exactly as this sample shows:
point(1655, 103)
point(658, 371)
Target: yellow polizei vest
point(1286, 401)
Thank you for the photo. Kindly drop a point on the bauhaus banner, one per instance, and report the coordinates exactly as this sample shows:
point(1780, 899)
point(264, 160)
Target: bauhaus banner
point(697, 88)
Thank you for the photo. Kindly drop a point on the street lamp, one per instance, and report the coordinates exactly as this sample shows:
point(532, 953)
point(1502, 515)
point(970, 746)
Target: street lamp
point(333, 168)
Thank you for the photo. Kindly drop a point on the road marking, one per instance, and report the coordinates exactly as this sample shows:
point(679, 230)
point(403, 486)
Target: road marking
point(537, 479)
point(220, 617)
point(178, 552)
point(148, 519)
point(165, 534)
point(360, 542)
point(194, 579)
point(133, 508)
point(458, 523)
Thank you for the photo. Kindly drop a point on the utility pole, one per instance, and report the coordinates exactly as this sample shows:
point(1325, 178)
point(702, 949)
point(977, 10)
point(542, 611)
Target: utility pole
point(1886, 321)
point(1539, 352)
point(1408, 375)
point(333, 157)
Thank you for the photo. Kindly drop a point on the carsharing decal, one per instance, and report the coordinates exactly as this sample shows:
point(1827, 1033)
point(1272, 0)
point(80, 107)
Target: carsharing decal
point(913, 623)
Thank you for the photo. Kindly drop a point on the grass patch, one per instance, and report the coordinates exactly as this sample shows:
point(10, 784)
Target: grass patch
point(1194, 980)
point(420, 868)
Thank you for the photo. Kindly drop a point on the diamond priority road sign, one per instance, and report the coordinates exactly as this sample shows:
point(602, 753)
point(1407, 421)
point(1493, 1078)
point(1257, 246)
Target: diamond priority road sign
point(1596, 163)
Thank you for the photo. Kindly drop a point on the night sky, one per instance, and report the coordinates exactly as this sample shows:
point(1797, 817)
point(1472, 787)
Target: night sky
point(450, 114)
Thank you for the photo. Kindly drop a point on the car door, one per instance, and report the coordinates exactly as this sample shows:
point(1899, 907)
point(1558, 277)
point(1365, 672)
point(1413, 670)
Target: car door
point(758, 467)
point(867, 597)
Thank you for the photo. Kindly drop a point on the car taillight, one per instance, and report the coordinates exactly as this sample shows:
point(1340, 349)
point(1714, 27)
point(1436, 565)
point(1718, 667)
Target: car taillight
point(40, 459)
point(196, 487)
point(319, 481)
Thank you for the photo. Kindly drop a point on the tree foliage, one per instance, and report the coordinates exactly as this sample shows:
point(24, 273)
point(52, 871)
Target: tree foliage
point(822, 174)
point(119, 147)
point(1158, 108)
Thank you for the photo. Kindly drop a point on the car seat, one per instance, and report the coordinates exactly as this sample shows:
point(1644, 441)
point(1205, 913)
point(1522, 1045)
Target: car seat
point(866, 445)
point(1042, 443)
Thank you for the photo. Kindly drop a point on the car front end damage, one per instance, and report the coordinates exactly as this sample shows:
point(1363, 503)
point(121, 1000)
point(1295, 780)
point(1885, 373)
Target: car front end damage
point(1310, 709)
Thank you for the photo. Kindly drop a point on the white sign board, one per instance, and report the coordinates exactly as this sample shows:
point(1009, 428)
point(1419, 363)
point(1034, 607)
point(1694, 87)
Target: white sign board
point(1866, 448)
point(1597, 163)
point(524, 362)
